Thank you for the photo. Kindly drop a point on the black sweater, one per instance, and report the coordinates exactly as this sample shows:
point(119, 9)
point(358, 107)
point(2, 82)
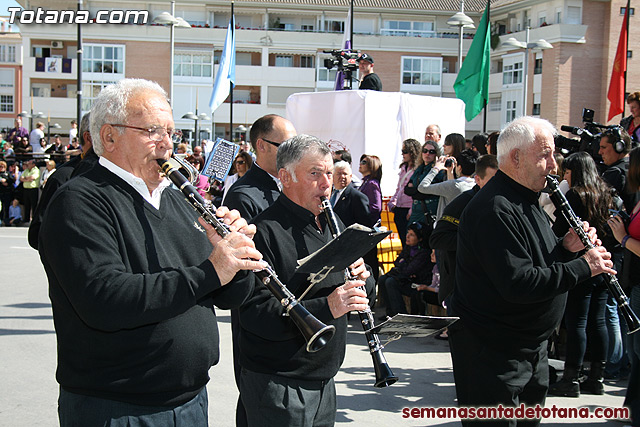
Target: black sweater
point(132, 292)
point(511, 270)
point(269, 342)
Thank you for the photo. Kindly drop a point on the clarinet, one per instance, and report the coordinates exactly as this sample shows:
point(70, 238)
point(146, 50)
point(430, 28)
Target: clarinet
point(561, 203)
point(384, 376)
point(316, 333)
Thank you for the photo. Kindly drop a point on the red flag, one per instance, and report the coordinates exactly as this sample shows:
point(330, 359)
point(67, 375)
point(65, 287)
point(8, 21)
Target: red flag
point(616, 87)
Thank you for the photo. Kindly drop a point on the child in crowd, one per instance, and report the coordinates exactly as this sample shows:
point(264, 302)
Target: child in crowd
point(15, 214)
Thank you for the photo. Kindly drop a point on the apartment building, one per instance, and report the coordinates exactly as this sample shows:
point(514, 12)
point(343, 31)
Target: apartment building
point(10, 74)
point(280, 46)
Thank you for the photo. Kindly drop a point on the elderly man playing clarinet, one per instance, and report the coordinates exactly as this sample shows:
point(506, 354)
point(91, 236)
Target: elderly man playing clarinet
point(512, 278)
point(281, 384)
point(134, 275)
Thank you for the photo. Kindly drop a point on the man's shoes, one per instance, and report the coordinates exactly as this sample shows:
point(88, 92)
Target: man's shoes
point(592, 386)
point(565, 388)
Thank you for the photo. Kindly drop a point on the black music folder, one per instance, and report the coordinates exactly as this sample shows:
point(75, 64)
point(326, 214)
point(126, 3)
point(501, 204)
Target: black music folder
point(355, 241)
point(412, 325)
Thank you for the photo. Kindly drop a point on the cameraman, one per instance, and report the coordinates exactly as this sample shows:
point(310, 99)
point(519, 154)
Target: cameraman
point(615, 145)
point(368, 79)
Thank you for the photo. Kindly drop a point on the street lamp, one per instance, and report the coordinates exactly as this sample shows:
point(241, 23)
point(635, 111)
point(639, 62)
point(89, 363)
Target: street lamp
point(49, 126)
point(166, 18)
point(541, 44)
point(461, 21)
point(196, 117)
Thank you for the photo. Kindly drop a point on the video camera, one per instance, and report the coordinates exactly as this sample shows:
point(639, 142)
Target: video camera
point(589, 135)
point(343, 59)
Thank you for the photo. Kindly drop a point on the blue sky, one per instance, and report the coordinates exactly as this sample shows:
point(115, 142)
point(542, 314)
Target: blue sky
point(5, 5)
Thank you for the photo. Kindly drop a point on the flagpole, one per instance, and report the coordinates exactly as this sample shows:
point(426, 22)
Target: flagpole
point(484, 120)
point(627, 15)
point(351, 25)
point(231, 88)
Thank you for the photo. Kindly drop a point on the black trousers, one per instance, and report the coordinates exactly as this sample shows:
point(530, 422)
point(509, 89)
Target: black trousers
point(488, 374)
point(76, 410)
point(30, 201)
point(272, 400)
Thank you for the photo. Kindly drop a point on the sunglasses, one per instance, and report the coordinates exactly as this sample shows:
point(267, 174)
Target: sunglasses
point(275, 144)
point(363, 162)
point(240, 162)
point(406, 152)
point(430, 151)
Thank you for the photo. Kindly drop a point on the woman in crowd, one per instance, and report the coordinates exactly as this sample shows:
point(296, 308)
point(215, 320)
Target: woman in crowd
point(454, 144)
point(241, 165)
point(6, 190)
point(371, 170)
point(202, 184)
point(400, 203)
point(631, 123)
point(591, 200)
point(492, 141)
point(628, 235)
point(424, 206)
point(413, 265)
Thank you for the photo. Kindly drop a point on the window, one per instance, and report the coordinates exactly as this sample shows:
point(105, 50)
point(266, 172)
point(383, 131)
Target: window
point(103, 59)
point(408, 28)
point(90, 90)
point(193, 64)
point(334, 26)
point(306, 27)
point(629, 54)
point(40, 51)
point(495, 104)
point(425, 72)
point(284, 61)
point(558, 17)
point(623, 10)
point(536, 110)
point(306, 61)
point(537, 68)
point(512, 73)
point(511, 111)
point(574, 15)
point(6, 103)
point(7, 53)
point(325, 75)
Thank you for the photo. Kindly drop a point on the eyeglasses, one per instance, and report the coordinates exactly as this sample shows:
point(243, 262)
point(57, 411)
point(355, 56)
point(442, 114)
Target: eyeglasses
point(156, 133)
point(240, 162)
point(275, 144)
point(406, 152)
point(430, 151)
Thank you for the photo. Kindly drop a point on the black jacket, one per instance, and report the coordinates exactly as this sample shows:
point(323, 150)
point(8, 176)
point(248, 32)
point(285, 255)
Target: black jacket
point(253, 193)
point(353, 207)
point(445, 237)
point(371, 81)
point(512, 272)
point(270, 343)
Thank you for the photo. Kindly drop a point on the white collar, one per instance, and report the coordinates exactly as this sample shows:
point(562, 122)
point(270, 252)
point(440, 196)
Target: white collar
point(138, 184)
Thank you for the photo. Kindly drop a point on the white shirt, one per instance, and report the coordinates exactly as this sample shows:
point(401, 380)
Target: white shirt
point(34, 140)
point(138, 184)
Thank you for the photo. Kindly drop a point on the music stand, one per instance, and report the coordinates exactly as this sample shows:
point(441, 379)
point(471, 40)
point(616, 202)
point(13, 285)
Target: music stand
point(412, 325)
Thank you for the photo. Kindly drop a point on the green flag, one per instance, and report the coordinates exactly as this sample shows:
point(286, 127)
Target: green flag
point(472, 83)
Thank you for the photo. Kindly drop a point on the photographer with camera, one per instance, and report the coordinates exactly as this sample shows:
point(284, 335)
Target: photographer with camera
point(615, 145)
point(368, 79)
point(631, 123)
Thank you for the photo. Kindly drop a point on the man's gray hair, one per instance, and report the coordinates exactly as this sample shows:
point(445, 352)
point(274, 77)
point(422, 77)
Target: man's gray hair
point(291, 152)
point(111, 106)
point(521, 134)
point(342, 165)
point(437, 128)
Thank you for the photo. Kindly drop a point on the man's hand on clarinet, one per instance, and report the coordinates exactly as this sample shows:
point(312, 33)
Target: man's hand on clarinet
point(599, 261)
point(572, 241)
point(359, 270)
point(236, 251)
point(348, 297)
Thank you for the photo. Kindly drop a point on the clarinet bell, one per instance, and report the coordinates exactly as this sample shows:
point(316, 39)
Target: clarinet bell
point(384, 375)
point(316, 333)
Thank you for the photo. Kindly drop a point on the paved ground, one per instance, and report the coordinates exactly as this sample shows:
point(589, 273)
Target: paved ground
point(28, 391)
